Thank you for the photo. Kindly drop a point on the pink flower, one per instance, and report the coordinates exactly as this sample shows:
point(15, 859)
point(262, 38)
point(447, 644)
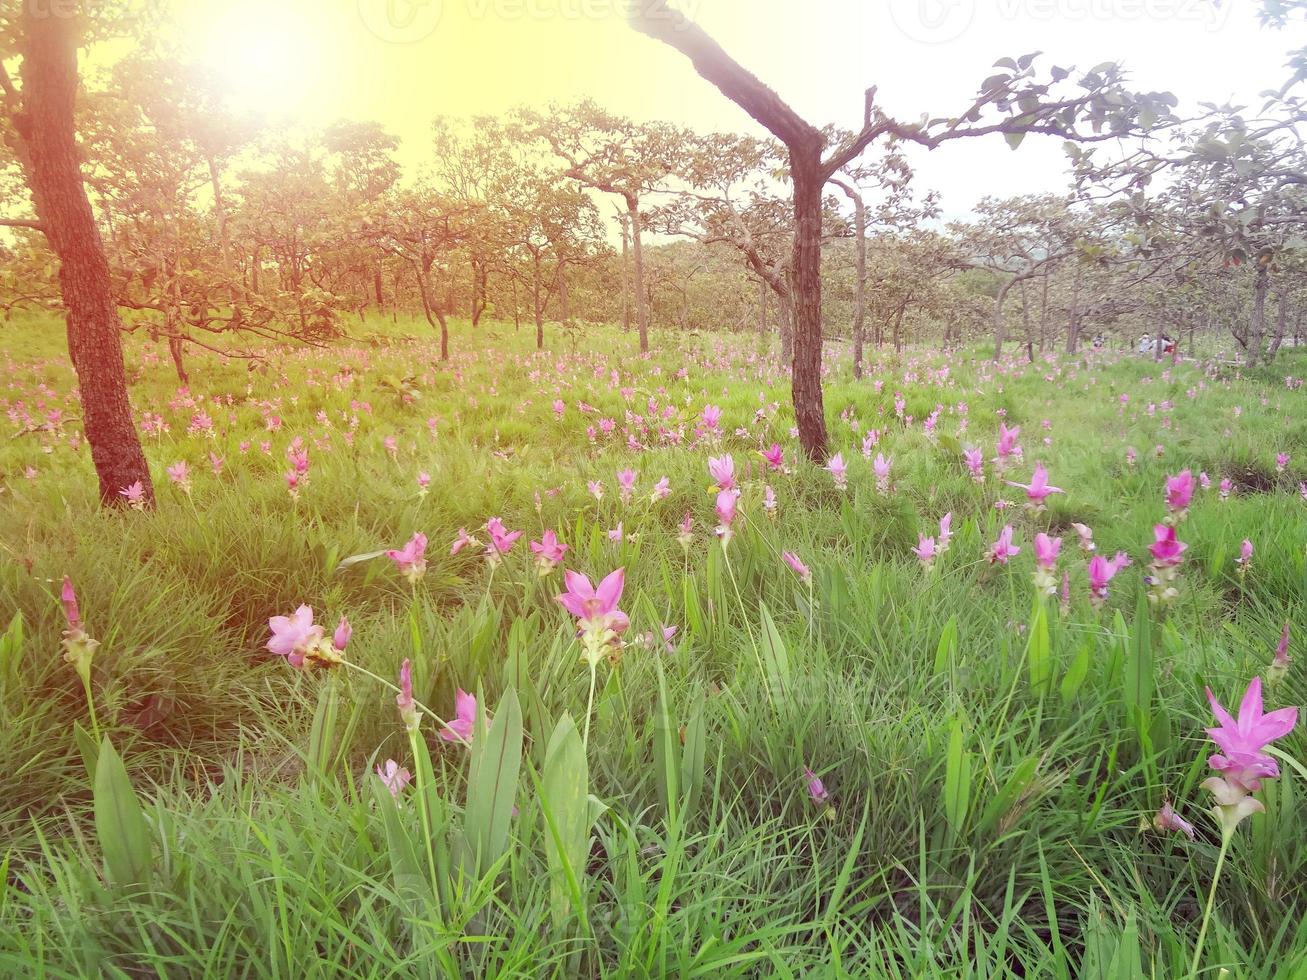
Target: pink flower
point(726, 509)
point(616, 533)
point(945, 532)
point(596, 608)
point(424, 481)
point(626, 483)
point(662, 489)
point(1281, 462)
point(712, 416)
point(881, 467)
point(1038, 489)
point(459, 729)
point(549, 551)
point(775, 456)
point(411, 559)
point(1282, 648)
point(340, 639)
point(1245, 555)
point(839, 470)
point(295, 637)
point(975, 461)
point(180, 474)
point(685, 531)
point(1047, 550)
point(1179, 491)
point(722, 470)
point(926, 550)
point(134, 494)
point(1102, 571)
point(1086, 536)
point(1165, 549)
point(501, 539)
point(1007, 442)
point(393, 777)
point(69, 599)
point(769, 500)
point(800, 569)
point(1168, 819)
point(462, 541)
point(408, 711)
point(1241, 759)
point(816, 788)
point(559, 408)
point(1002, 549)
point(1227, 485)
point(596, 489)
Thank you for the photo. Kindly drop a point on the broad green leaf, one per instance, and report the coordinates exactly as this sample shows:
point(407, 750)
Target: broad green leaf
point(565, 804)
point(493, 774)
point(120, 824)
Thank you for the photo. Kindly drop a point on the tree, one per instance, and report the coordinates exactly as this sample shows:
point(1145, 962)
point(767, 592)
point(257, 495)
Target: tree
point(44, 139)
point(1023, 103)
point(612, 154)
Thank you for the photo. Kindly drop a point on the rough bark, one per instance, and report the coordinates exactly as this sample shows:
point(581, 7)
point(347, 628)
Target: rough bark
point(45, 126)
point(626, 274)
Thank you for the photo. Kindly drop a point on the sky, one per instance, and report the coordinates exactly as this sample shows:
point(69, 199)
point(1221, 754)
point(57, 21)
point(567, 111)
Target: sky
point(401, 62)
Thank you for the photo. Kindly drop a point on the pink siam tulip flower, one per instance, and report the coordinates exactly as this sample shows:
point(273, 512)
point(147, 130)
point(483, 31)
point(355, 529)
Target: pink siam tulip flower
point(1038, 489)
point(685, 532)
point(601, 622)
point(1086, 536)
point(1166, 549)
point(722, 470)
point(340, 639)
point(1002, 549)
point(1244, 561)
point(1281, 462)
point(1101, 572)
point(945, 533)
point(394, 777)
point(1242, 763)
point(461, 726)
point(596, 489)
point(1009, 449)
point(975, 461)
point(559, 409)
point(769, 501)
point(816, 788)
point(134, 494)
point(1065, 605)
point(775, 456)
point(800, 569)
point(626, 484)
point(180, 474)
point(1179, 492)
point(501, 540)
point(424, 483)
point(712, 416)
point(926, 550)
point(68, 597)
point(1204, 481)
point(408, 711)
point(726, 509)
point(661, 491)
point(839, 471)
point(411, 559)
point(881, 467)
point(296, 638)
point(1047, 550)
point(1168, 819)
point(616, 534)
point(549, 552)
point(464, 540)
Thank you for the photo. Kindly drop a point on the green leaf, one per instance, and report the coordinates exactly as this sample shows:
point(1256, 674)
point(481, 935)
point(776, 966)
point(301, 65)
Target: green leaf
point(1039, 662)
point(405, 867)
point(1076, 673)
point(775, 658)
point(353, 560)
point(664, 750)
point(957, 779)
point(692, 757)
point(1001, 804)
point(565, 804)
point(947, 650)
point(493, 774)
point(1014, 140)
point(120, 824)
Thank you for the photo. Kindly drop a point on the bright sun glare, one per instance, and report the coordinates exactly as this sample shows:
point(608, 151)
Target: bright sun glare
point(269, 70)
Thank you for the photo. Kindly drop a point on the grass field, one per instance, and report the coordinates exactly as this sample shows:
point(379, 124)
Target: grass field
point(991, 758)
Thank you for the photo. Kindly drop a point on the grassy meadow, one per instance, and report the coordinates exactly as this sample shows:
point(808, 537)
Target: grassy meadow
point(863, 764)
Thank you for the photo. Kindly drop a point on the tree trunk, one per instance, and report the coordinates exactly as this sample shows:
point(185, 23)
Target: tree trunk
point(538, 305)
point(626, 273)
point(785, 326)
point(1281, 320)
point(860, 272)
point(1073, 324)
point(762, 309)
point(1025, 324)
point(809, 408)
point(999, 327)
point(564, 299)
point(377, 290)
point(1257, 323)
point(45, 126)
point(637, 253)
point(898, 328)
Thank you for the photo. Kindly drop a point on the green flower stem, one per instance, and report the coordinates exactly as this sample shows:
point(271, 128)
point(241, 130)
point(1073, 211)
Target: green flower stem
point(1227, 835)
